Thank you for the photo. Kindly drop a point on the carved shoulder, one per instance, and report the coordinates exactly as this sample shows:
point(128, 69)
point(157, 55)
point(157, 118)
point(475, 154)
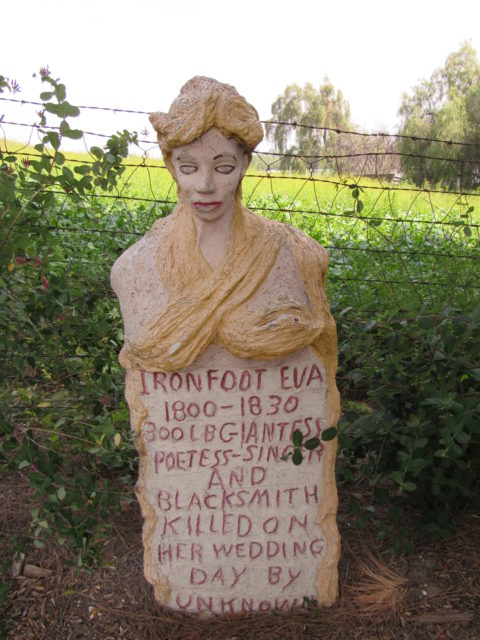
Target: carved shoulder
point(135, 280)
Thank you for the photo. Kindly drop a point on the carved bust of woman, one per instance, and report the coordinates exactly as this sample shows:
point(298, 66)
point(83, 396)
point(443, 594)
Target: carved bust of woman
point(214, 285)
point(213, 272)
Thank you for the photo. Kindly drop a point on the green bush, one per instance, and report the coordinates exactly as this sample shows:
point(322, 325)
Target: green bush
point(416, 436)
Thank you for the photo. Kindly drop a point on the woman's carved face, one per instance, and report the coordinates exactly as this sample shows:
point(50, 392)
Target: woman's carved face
point(208, 171)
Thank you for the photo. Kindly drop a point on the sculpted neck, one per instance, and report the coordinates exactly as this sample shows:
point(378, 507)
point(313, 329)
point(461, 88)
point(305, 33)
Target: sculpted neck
point(213, 236)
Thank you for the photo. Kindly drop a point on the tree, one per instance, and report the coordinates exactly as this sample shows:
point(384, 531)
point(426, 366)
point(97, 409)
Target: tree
point(307, 106)
point(445, 107)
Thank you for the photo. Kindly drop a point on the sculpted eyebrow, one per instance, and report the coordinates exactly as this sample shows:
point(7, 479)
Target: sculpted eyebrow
point(185, 156)
point(225, 155)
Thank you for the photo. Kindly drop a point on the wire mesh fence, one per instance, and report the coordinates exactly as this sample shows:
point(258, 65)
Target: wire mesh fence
point(389, 240)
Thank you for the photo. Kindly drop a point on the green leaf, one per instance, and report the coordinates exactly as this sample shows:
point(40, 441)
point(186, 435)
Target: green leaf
point(312, 443)
point(62, 110)
point(297, 457)
point(329, 434)
point(397, 477)
point(97, 152)
point(467, 232)
point(355, 193)
point(73, 134)
point(83, 169)
point(359, 206)
point(297, 438)
point(60, 92)
point(409, 486)
point(53, 138)
point(61, 493)
point(420, 443)
point(47, 95)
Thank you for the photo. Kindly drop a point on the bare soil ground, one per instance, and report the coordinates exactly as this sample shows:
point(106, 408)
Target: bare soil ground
point(432, 595)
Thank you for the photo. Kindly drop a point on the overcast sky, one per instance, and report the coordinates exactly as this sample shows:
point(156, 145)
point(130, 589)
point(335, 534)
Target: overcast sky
point(137, 54)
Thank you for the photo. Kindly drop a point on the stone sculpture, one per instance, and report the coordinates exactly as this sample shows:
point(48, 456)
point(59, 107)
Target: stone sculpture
point(229, 348)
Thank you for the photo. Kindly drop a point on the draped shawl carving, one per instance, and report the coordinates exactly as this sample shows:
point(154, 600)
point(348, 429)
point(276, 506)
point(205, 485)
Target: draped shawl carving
point(208, 305)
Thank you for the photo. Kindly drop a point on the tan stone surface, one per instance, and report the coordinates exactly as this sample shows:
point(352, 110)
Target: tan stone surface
point(214, 287)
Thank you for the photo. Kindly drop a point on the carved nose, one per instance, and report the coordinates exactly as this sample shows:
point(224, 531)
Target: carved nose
point(206, 185)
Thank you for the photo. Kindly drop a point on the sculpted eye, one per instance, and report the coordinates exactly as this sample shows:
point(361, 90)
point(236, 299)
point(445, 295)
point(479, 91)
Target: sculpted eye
point(225, 168)
point(188, 168)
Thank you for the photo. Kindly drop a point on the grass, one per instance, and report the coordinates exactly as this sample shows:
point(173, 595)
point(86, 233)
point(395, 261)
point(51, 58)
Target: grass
point(387, 243)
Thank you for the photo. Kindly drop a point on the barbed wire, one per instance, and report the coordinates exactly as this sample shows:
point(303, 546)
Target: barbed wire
point(301, 156)
point(273, 176)
point(379, 230)
point(292, 124)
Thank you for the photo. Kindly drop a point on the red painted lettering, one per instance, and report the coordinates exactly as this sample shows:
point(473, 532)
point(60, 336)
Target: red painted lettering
point(295, 521)
point(270, 525)
point(192, 433)
point(159, 380)
point(164, 500)
point(145, 391)
point(285, 604)
point(227, 603)
point(290, 494)
point(244, 525)
point(315, 374)
point(164, 553)
point(170, 523)
point(215, 480)
point(203, 462)
point(259, 496)
point(196, 552)
point(197, 576)
point(255, 550)
point(204, 605)
point(237, 576)
point(257, 475)
point(268, 432)
point(180, 546)
point(245, 380)
point(208, 501)
point(247, 605)
point(229, 380)
point(181, 605)
point(195, 501)
point(211, 377)
point(284, 377)
point(222, 549)
point(316, 546)
point(297, 382)
point(176, 381)
point(148, 434)
point(192, 382)
point(313, 494)
point(272, 453)
point(227, 436)
point(237, 478)
point(259, 373)
point(209, 409)
point(218, 575)
point(299, 547)
point(210, 432)
point(274, 574)
point(226, 525)
point(292, 577)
